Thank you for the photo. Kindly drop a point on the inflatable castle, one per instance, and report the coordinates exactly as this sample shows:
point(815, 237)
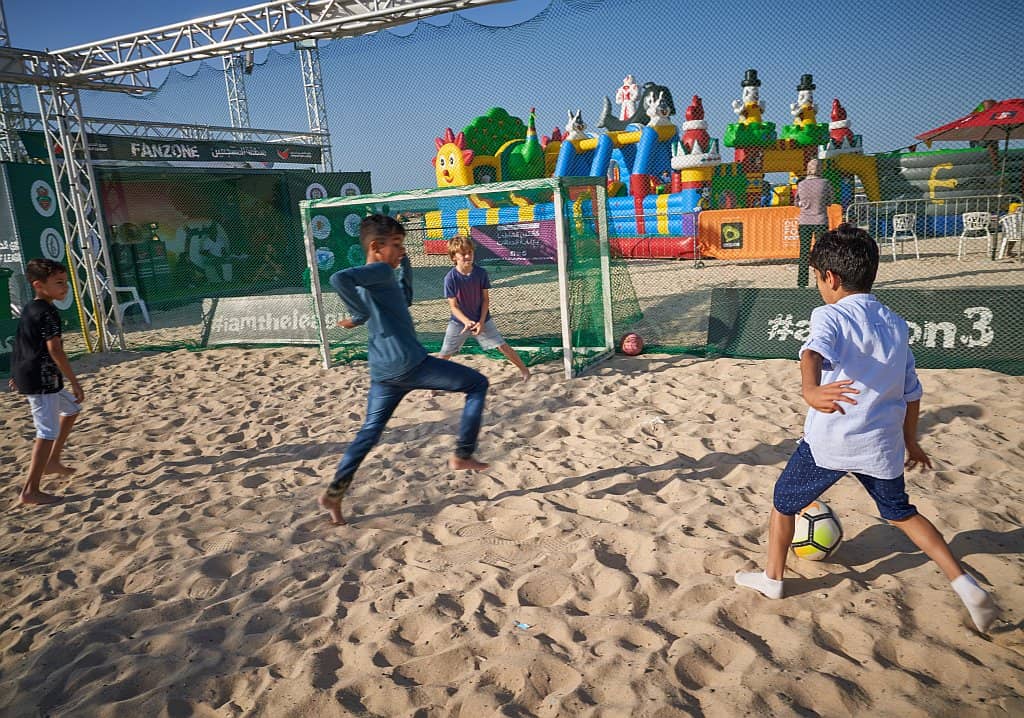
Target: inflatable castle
point(669, 188)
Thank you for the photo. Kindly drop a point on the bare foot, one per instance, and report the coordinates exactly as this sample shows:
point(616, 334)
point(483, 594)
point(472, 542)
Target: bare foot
point(333, 507)
point(467, 464)
point(38, 498)
point(524, 373)
point(59, 468)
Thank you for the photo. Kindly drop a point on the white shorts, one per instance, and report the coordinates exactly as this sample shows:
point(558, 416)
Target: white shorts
point(47, 410)
point(488, 338)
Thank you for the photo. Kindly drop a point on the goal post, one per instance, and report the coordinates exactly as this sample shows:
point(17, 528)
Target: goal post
point(544, 243)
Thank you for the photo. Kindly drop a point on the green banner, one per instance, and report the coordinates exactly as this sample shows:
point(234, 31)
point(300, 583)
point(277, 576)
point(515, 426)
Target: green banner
point(336, 235)
point(38, 231)
point(153, 149)
point(948, 327)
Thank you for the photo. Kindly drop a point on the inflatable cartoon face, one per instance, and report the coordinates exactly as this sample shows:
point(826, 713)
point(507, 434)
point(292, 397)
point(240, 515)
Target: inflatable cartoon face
point(804, 98)
point(750, 95)
point(453, 164)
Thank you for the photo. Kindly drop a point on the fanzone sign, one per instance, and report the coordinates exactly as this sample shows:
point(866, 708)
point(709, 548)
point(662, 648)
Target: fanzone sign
point(151, 149)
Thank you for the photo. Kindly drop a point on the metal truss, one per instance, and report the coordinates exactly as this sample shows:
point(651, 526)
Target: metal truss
point(11, 147)
point(124, 63)
point(316, 104)
point(88, 256)
point(32, 121)
point(234, 82)
point(128, 59)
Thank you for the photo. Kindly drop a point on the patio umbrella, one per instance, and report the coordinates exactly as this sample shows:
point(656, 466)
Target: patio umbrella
point(1003, 120)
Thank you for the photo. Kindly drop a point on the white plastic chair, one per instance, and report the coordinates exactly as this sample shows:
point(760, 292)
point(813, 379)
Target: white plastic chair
point(1011, 226)
point(976, 225)
point(135, 300)
point(904, 227)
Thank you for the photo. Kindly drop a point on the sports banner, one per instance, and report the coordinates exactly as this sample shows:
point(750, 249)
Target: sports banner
point(948, 327)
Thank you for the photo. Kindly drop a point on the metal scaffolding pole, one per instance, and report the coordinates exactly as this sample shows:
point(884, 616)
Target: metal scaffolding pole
point(316, 103)
point(234, 81)
point(85, 240)
point(11, 147)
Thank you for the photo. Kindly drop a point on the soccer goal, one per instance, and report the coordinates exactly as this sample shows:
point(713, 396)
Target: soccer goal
point(543, 242)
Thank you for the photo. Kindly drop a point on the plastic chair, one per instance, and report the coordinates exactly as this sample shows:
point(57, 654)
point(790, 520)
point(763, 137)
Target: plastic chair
point(1011, 226)
point(135, 300)
point(976, 225)
point(904, 227)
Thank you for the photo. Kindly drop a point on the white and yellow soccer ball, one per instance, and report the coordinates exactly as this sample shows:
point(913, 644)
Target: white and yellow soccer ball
point(818, 532)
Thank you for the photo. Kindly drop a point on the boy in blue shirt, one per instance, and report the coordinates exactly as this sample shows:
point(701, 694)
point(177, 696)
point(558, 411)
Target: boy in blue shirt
point(859, 380)
point(467, 289)
point(398, 362)
point(38, 368)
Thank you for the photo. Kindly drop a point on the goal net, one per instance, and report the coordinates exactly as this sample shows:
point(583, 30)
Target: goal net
point(555, 292)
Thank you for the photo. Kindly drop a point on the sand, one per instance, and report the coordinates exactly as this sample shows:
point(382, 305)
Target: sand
point(587, 573)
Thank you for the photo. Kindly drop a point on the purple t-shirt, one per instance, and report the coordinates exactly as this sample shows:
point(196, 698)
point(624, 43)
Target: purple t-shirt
point(468, 290)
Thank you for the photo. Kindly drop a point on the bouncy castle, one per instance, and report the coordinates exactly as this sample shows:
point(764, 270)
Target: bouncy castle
point(670, 192)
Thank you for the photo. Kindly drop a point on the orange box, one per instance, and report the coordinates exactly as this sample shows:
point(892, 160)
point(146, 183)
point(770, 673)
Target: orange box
point(754, 233)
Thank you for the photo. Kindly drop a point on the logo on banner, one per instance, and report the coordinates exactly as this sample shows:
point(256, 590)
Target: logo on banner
point(316, 191)
point(352, 222)
point(285, 153)
point(350, 189)
point(732, 235)
point(321, 226)
point(43, 199)
point(51, 244)
point(324, 258)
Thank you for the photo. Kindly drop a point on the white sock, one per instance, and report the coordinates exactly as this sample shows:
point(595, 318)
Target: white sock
point(759, 581)
point(979, 603)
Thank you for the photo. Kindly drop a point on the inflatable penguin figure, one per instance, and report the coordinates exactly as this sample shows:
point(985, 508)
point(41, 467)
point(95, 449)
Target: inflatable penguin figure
point(750, 108)
point(804, 111)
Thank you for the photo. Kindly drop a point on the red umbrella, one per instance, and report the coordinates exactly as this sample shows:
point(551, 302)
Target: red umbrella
point(1003, 120)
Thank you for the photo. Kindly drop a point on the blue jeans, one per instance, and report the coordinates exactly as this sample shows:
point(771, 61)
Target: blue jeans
point(384, 397)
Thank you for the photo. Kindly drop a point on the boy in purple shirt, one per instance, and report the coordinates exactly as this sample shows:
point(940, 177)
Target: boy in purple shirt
point(858, 346)
point(467, 288)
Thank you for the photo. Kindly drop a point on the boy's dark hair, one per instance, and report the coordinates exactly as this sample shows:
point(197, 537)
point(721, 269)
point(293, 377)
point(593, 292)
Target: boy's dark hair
point(848, 252)
point(377, 226)
point(40, 269)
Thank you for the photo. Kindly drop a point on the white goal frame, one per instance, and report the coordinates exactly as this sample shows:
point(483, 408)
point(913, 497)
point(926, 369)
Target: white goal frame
point(560, 187)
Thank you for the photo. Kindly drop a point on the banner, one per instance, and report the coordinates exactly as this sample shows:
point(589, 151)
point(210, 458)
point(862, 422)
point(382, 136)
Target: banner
point(275, 319)
point(948, 327)
point(155, 149)
point(36, 231)
point(518, 243)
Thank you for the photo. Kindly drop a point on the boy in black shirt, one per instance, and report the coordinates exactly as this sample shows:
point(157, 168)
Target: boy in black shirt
point(38, 365)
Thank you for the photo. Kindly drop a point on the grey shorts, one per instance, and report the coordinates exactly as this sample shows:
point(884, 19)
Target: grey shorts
point(47, 410)
point(488, 338)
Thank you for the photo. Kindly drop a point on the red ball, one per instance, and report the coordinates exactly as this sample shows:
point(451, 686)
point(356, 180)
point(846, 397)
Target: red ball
point(632, 344)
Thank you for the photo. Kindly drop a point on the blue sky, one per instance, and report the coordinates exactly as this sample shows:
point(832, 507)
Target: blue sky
point(898, 68)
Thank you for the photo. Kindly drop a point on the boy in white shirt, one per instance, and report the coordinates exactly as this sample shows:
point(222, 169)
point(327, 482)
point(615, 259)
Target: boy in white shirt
point(859, 348)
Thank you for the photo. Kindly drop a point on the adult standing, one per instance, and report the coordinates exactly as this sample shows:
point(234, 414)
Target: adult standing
point(813, 195)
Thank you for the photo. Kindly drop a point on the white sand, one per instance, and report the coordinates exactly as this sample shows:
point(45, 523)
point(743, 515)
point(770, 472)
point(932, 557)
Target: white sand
point(188, 572)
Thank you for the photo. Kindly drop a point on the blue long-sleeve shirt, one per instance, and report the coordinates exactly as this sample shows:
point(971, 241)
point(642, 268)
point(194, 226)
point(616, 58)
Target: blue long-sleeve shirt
point(374, 297)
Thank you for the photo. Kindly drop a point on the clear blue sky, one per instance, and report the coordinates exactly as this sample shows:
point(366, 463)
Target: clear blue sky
point(899, 68)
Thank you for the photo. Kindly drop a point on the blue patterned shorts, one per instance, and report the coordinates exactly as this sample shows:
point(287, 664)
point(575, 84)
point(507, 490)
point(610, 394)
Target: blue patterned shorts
point(803, 481)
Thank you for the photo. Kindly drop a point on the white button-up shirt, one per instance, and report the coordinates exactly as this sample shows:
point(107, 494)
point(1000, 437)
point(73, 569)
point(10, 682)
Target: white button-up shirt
point(861, 339)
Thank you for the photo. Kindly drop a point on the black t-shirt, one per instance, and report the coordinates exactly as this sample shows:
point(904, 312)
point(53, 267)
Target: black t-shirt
point(32, 367)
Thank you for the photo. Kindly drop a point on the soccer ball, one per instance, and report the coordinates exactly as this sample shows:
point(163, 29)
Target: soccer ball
point(632, 344)
point(818, 532)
